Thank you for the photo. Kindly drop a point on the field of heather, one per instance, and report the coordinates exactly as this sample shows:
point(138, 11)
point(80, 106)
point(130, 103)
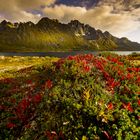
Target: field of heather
point(82, 97)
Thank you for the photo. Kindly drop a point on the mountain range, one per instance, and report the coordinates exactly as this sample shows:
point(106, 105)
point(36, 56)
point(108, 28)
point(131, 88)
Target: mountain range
point(51, 35)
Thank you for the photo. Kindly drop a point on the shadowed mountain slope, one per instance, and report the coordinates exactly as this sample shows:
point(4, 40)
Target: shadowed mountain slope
point(51, 35)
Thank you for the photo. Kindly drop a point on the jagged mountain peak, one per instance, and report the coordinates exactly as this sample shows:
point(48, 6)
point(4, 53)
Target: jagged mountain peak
point(5, 25)
point(46, 20)
point(75, 22)
point(55, 35)
point(5, 22)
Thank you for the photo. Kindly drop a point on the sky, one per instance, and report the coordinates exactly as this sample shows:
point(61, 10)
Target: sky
point(120, 17)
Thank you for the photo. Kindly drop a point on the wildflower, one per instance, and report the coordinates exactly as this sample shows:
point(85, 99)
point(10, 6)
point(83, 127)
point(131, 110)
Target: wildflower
point(99, 65)
point(51, 135)
point(12, 100)
point(29, 82)
point(128, 107)
point(122, 77)
point(28, 126)
point(37, 98)
point(112, 83)
point(110, 106)
point(2, 107)
point(84, 62)
point(49, 84)
point(70, 57)
point(133, 69)
point(11, 125)
point(120, 63)
point(24, 104)
point(138, 79)
point(107, 135)
point(61, 136)
point(129, 76)
point(86, 68)
point(59, 63)
point(139, 102)
point(106, 75)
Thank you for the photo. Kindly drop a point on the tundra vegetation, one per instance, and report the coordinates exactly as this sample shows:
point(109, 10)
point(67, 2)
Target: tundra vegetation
point(78, 97)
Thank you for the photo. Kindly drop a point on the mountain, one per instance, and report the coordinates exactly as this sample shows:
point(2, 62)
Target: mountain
point(51, 35)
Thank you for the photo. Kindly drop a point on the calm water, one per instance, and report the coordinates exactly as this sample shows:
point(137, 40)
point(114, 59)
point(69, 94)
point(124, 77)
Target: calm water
point(62, 54)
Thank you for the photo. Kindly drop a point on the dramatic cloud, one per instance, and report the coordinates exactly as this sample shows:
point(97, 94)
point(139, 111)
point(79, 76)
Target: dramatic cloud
point(64, 13)
point(102, 17)
point(30, 4)
point(120, 17)
point(82, 3)
point(89, 3)
point(18, 10)
point(125, 3)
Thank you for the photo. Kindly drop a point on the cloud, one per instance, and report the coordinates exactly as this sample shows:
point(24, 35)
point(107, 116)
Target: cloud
point(103, 17)
point(18, 10)
point(82, 3)
point(30, 4)
point(125, 4)
point(115, 16)
point(64, 13)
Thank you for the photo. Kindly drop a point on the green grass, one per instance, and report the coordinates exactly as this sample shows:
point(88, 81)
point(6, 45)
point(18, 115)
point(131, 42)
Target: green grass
point(9, 65)
point(37, 41)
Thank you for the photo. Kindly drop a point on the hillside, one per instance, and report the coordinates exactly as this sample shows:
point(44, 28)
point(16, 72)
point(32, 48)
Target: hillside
point(80, 97)
point(51, 35)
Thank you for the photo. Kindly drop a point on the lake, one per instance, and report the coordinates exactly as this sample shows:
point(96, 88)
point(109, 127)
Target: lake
point(62, 54)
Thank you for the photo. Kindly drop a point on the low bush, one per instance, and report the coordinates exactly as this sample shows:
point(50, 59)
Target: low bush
point(80, 97)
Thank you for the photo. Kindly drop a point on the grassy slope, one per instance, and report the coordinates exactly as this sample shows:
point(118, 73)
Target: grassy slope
point(35, 41)
point(66, 93)
point(9, 65)
point(38, 41)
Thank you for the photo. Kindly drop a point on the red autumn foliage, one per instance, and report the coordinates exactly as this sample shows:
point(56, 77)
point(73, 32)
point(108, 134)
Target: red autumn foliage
point(133, 69)
point(70, 57)
point(51, 135)
point(37, 98)
point(86, 68)
point(29, 82)
point(139, 102)
point(24, 104)
point(54, 136)
point(107, 135)
point(2, 107)
point(110, 106)
point(48, 84)
point(112, 83)
point(128, 107)
point(109, 73)
point(10, 125)
point(129, 76)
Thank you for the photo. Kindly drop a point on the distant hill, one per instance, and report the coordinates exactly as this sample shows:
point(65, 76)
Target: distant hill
point(51, 35)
